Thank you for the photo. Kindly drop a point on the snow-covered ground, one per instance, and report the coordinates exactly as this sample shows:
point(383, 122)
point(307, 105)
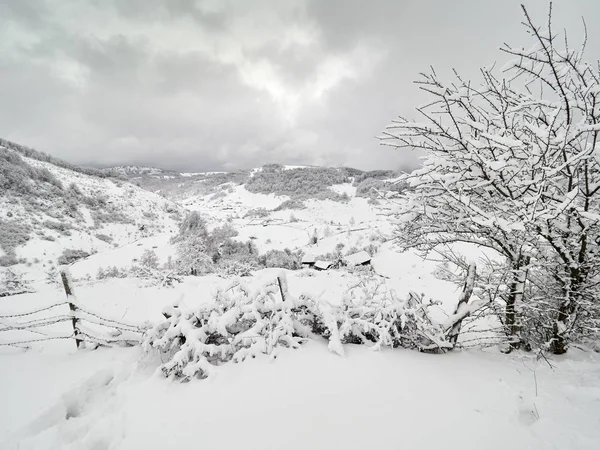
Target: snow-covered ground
point(56, 397)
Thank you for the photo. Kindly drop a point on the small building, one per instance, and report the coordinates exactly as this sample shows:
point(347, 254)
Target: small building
point(322, 265)
point(308, 260)
point(358, 259)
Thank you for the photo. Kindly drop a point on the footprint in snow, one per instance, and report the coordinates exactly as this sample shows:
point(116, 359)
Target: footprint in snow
point(85, 417)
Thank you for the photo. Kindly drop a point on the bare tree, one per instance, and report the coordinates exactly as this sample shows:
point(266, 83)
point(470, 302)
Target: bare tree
point(512, 165)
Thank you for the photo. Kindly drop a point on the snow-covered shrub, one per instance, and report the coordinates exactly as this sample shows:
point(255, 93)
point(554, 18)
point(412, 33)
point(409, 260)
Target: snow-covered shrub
point(219, 235)
point(284, 259)
point(235, 258)
point(104, 238)
point(12, 283)
point(111, 272)
point(291, 204)
point(109, 214)
point(60, 227)
point(372, 188)
point(257, 213)
point(192, 256)
point(149, 259)
point(155, 276)
point(13, 233)
point(53, 277)
point(232, 267)
point(200, 251)
point(240, 323)
point(237, 325)
point(193, 225)
point(70, 255)
point(371, 312)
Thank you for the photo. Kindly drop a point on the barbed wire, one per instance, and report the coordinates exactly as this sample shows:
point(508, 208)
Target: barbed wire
point(48, 338)
point(7, 316)
point(132, 328)
point(85, 311)
point(49, 321)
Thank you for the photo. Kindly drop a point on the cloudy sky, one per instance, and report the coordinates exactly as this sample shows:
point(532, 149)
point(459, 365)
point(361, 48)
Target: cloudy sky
point(210, 85)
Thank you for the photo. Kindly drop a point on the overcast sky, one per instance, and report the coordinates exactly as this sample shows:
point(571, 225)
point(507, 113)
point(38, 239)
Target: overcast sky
point(211, 85)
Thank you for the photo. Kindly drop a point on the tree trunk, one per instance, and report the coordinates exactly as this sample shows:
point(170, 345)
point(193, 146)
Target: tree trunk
point(463, 300)
point(566, 308)
point(515, 296)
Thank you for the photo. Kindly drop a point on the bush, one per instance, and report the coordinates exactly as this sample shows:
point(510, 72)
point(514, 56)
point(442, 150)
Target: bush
point(60, 227)
point(12, 283)
point(239, 324)
point(291, 204)
point(285, 259)
point(110, 272)
point(193, 225)
point(219, 235)
point(13, 233)
point(371, 187)
point(192, 256)
point(104, 237)
point(69, 256)
point(218, 195)
point(200, 252)
point(109, 215)
point(257, 213)
point(149, 259)
point(8, 260)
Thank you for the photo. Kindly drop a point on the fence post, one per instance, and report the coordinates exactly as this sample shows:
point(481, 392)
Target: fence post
point(281, 281)
point(69, 291)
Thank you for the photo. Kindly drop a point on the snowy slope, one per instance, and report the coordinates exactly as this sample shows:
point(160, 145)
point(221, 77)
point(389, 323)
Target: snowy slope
point(87, 213)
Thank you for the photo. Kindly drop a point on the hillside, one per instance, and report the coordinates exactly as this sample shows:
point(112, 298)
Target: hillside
point(298, 182)
point(49, 206)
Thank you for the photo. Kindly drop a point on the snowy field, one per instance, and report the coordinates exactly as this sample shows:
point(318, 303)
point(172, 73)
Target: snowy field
point(309, 398)
point(56, 397)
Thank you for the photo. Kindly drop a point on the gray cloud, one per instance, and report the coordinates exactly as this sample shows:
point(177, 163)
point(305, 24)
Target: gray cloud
point(209, 85)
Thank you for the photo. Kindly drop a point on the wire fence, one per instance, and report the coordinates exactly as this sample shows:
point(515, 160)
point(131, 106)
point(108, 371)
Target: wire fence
point(86, 326)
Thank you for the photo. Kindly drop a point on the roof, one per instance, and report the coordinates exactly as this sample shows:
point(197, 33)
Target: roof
point(358, 258)
point(323, 265)
point(308, 258)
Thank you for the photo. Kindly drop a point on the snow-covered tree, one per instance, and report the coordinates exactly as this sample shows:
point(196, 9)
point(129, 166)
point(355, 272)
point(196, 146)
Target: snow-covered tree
point(513, 164)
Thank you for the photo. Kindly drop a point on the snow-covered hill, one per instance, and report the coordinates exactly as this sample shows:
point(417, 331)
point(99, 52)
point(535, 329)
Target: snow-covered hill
point(46, 209)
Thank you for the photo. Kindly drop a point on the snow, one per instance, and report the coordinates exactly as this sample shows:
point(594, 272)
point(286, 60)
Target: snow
point(57, 397)
point(306, 398)
point(193, 174)
point(323, 265)
point(357, 258)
